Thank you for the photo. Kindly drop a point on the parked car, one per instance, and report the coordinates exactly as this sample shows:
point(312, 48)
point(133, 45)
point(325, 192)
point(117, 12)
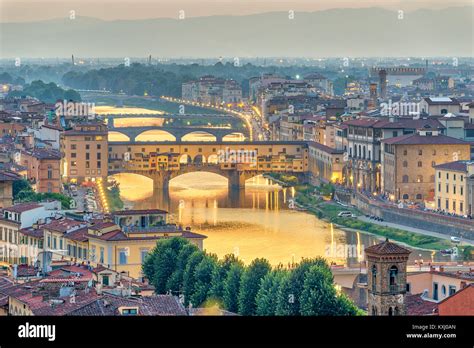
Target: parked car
point(345, 213)
point(455, 239)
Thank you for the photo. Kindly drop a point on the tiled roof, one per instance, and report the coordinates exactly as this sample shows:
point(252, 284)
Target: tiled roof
point(416, 305)
point(417, 139)
point(63, 225)
point(79, 235)
point(20, 208)
point(8, 176)
point(385, 248)
point(108, 305)
point(459, 166)
point(32, 232)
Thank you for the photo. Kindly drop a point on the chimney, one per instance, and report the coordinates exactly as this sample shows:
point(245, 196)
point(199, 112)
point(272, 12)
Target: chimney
point(463, 284)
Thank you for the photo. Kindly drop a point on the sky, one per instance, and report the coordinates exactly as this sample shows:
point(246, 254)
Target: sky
point(38, 10)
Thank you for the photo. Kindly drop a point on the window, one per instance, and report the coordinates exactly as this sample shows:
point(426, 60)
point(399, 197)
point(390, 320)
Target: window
point(374, 278)
point(405, 152)
point(405, 179)
point(420, 152)
point(452, 290)
point(101, 259)
point(419, 178)
point(420, 164)
point(50, 171)
point(419, 196)
point(406, 196)
point(393, 277)
point(143, 253)
point(123, 256)
point(405, 164)
point(129, 311)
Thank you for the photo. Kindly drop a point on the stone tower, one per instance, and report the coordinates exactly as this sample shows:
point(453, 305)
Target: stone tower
point(386, 278)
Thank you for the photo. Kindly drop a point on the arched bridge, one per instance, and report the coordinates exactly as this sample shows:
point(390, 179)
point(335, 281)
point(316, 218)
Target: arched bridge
point(237, 161)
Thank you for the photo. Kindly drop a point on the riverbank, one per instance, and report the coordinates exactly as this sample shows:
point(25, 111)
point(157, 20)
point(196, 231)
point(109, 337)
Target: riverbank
point(309, 198)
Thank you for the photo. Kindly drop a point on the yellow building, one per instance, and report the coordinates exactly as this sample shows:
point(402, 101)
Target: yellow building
point(455, 187)
point(408, 163)
point(84, 153)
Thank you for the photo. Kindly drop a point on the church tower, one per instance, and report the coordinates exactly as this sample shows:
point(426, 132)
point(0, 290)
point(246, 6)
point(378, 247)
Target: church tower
point(386, 278)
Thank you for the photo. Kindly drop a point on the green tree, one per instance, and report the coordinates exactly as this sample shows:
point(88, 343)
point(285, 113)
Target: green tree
point(161, 262)
point(232, 287)
point(21, 185)
point(175, 281)
point(268, 293)
point(250, 284)
point(288, 302)
point(203, 276)
point(319, 295)
point(220, 274)
point(189, 276)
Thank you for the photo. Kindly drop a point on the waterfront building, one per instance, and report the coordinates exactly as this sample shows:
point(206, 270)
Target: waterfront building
point(325, 164)
point(454, 187)
point(409, 162)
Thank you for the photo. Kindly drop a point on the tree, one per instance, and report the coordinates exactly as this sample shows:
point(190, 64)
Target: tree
point(319, 295)
point(160, 264)
point(189, 277)
point(288, 302)
point(250, 284)
point(220, 274)
point(19, 186)
point(175, 281)
point(232, 287)
point(268, 293)
point(203, 276)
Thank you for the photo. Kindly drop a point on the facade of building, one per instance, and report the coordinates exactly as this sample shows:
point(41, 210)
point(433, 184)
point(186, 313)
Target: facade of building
point(84, 153)
point(408, 163)
point(325, 164)
point(6, 188)
point(454, 189)
point(439, 106)
point(42, 169)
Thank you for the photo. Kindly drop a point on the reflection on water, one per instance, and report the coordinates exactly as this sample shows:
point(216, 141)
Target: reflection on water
point(253, 223)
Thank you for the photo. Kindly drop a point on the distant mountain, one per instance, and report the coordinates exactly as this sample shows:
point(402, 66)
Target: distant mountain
point(338, 32)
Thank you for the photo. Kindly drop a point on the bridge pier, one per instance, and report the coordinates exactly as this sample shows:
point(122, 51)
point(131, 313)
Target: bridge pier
point(161, 180)
point(236, 180)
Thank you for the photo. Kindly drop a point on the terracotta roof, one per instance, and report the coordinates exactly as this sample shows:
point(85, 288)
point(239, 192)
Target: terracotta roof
point(108, 305)
point(32, 232)
point(21, 208)
point(416, 305)
point(8, 176)
point(79, 235)
point(458, 166)
point(417, 139)
point(386, 247)
point(63, 225)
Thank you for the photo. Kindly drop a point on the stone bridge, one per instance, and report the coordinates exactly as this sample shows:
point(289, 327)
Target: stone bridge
point(161, 178)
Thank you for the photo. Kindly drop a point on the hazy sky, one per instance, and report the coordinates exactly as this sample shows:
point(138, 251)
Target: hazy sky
point(35, 10)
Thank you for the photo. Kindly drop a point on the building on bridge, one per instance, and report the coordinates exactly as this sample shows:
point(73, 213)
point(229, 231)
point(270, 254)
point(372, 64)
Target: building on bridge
point(237, 161)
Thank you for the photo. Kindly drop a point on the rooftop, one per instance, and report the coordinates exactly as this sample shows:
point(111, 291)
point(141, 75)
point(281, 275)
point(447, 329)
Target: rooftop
point(417, 139)
point(23, 207)
point(385, 248)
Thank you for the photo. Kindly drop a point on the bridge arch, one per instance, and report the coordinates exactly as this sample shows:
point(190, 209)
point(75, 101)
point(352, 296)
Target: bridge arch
point(185, 159)
point(199, 136)
point(155, 135)
point(114, 136)
point(199, 159)
point(213, 159)
point(236, 136)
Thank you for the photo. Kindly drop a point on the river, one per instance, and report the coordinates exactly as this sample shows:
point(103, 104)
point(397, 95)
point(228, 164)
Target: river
point(253, 223)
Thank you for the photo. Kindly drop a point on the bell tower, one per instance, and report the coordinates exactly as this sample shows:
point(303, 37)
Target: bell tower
point(386, 278)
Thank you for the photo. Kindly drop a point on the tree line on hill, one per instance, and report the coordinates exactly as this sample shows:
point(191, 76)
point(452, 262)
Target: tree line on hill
point(177, 266)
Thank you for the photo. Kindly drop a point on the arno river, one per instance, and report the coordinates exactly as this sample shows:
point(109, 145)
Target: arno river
point(253, 223)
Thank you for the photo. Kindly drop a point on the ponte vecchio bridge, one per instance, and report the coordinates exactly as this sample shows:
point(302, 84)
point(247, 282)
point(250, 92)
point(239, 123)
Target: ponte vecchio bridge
point(236, 161)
